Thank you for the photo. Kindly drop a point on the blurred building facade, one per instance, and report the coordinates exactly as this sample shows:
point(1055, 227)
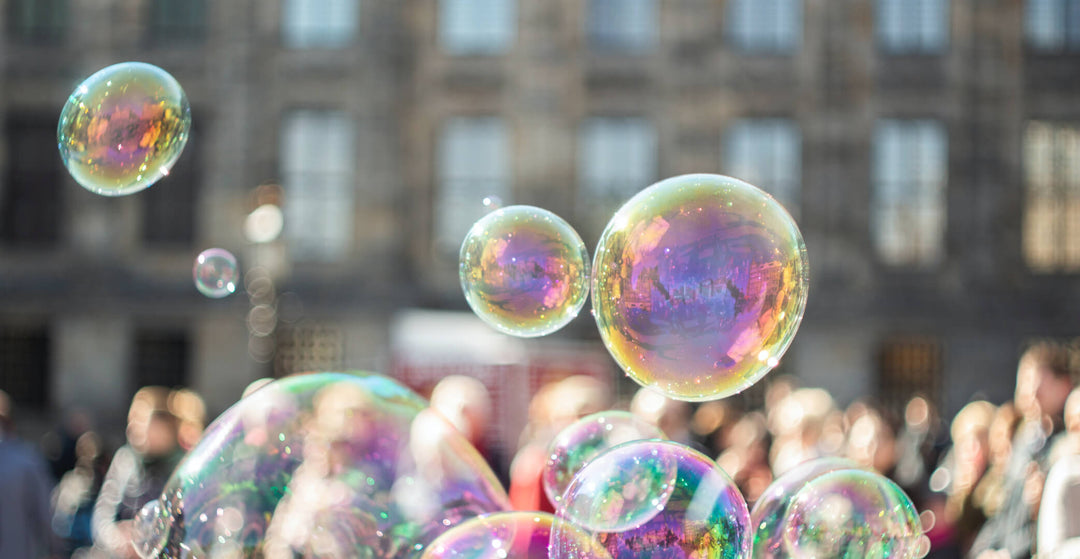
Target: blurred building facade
point(929, 149)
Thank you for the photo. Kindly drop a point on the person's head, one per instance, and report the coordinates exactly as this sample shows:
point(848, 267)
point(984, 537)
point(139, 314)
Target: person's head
point(671, 416)
point(160, 434)
point(1044, 378)
point(970, 433)
point(1072, 411)
point(918, 414)
point(466, 403)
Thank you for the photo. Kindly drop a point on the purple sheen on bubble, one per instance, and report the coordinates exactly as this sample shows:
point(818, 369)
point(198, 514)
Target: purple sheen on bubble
point(585, 439)
point(507, 535)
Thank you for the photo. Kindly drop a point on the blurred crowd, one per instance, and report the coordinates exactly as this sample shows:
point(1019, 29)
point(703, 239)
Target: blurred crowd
point(998, 481)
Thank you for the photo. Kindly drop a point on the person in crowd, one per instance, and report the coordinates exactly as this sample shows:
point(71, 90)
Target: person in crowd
point(671, 416)
point(74, 497)
point(138, 471)
point(916, 446)
point(1059, 512)
point(25, 485)
point(712, 424)
point(1044, 379)
point(798, 423)
point(746, 459)
point(466, 403)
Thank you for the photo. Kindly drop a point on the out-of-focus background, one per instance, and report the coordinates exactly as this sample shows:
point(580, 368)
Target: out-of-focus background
point(929, 150)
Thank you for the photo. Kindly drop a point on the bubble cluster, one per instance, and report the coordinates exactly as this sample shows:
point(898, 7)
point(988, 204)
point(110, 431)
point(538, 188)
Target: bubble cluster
point(123, 128)
point(585, 439)
point(321, 465)
point(699, 285)
point(507, 535)
point(653, 498)
point(853, 513)
point(216, 273)
point(524, 271)
point(770, 511)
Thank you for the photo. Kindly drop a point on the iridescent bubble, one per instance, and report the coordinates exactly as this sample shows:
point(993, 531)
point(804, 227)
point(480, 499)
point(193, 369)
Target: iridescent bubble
point(123, 128)
point(507, 535)
point(654, 499)
point(699, 284)
point(852, 513)
point(524, 271)
point(586, 438)
point(215, 273)
point(767, 516)
point(322, 465)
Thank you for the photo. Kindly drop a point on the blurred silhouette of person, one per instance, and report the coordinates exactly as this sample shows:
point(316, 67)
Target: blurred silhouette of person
point(1044, 379)
point(58, 445)
point(1059, 512)
point(671, 416)
point(24, 493)
point(799, 422)
point(916, 445)
point(138, 471)
point(466, 403)
point(190, 412)
point(74, 497)
point(746, 459)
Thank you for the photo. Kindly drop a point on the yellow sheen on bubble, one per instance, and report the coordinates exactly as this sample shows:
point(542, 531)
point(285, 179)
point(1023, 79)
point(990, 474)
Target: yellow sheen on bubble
point(699, 285)
point(524, 271)
point(123, 128)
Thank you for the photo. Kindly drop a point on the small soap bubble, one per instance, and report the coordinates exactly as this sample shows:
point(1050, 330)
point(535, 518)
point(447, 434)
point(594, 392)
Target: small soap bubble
point(123, 128)
point(216, 273)
point(699, 285)
point(524, 271)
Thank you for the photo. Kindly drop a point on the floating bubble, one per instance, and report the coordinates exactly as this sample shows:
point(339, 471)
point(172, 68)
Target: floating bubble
point(123, 128)
point(586, 438)
point(524, 271)
point(699, 285)
point(215, 273)
point(767, 516)
point(322, 465)
point(852, 513)
point(654, 498)
point(507, 535)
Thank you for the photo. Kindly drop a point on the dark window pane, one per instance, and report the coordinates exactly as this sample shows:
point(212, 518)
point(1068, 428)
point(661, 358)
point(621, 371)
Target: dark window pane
point(24, 365)
point(177, 21)
point(161, 358)
point(29, 204)
point(38, 21)
point(169, 205)
point(908, 367)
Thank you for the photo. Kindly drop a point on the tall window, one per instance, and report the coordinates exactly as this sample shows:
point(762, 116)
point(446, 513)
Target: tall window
point(616, 158)
point(765, 25)
point(908, 206)
point(1052, 192)
point(319, 23)
point(24, 365)
point(30, 207)
point(913, 26)
point(38, 21)
point(177, 21)
point(908, 366)
point(621, 25)
point(318, 174)
point(308, 347)
point(766, 152)
point(161, 358)
point(473, 162)
point(169, 206)
point(1053, 25)
point(477, 26)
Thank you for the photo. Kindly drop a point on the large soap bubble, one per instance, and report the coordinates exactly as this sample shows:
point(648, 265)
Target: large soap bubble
point(853, 513)
point(123, 128)
point(769, 512)
point(654, 498)
point(524, 271)
point(320, 465)
point(507, 535)
point(699, 284)
point(585, 439)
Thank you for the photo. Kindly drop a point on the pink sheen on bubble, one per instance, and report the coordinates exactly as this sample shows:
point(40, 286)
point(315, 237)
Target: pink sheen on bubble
point(507, 535)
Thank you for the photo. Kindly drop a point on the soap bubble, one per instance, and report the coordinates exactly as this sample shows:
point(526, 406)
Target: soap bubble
point(123, 128)
point(507, 535)
point(654, 498)
point(586, 438)
point(321, 465)
point(699, 284)
point(767, 516)
point(852, 513)
point(215, 273)
point(524, 271)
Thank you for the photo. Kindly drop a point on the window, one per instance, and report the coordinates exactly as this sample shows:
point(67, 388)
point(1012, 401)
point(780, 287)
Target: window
point(24, 365)
point(177, 21)
point(912, 26)
point(319, 23)
point(168, 217)
point(161, 358)
point(477, 26)
point(1053, 25)
point(308, 347)
point(766, 152)
point(908, 206)
point(908, 366)
point(30, 207)
point(38, 21)
point(318, 174)
point(765, 25)
point(473, 162)
point(616, 159)
point(621, 25)
point(1051, 234)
